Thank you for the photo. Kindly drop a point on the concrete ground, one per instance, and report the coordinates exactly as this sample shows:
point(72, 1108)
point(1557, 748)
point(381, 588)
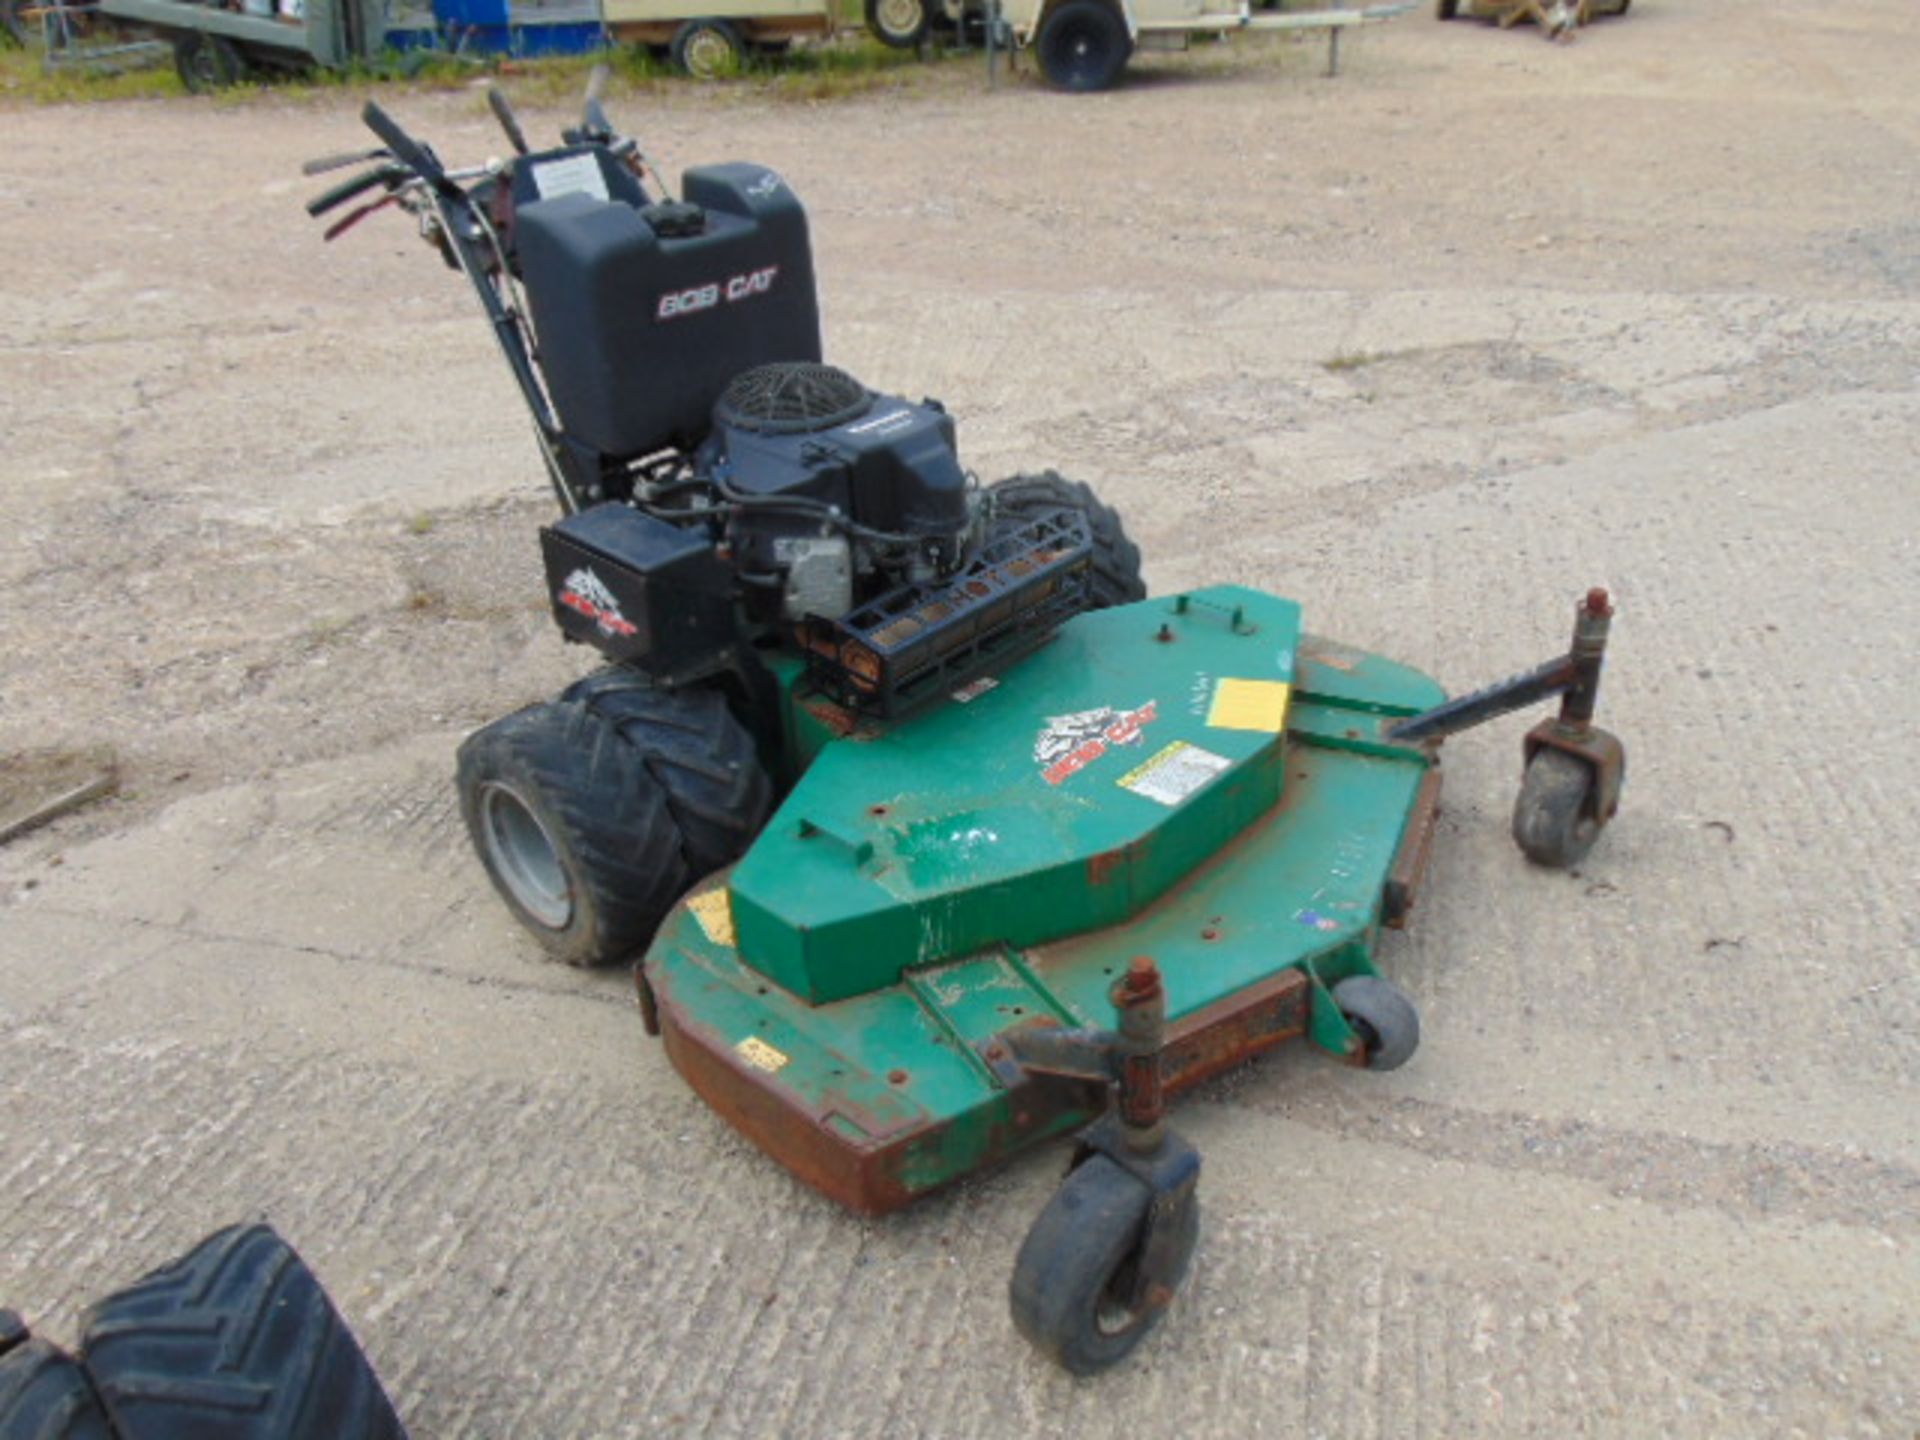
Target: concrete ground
point(1431, 346)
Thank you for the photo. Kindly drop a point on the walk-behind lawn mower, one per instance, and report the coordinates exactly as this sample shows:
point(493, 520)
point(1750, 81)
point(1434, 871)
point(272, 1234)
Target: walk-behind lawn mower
point(939, 837)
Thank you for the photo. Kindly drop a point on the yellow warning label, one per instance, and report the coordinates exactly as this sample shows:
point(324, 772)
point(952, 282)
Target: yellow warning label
point(760, 1055)
point(1250, 705)
point(714, 910)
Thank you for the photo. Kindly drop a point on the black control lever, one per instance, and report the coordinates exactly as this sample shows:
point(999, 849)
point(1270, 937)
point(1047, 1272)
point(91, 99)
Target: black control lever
point(593, 118)
point(341, 161)
point(503, 112)
point(407, 150)
point(350, 187)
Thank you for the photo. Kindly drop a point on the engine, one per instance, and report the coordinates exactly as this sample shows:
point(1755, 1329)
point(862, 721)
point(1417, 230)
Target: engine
point(748, 493)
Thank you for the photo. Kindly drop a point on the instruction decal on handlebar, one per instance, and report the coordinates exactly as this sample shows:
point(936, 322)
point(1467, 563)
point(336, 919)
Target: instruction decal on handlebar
point(571, 175)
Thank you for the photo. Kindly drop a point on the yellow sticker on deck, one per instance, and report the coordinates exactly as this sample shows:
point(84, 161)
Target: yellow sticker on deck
point(760, 1055)
point(714, 910)
point(1250, 705)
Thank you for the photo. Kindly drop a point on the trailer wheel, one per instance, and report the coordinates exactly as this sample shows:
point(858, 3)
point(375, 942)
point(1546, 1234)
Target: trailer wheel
point(208, 62)
point(235, 1340)
point(574, 832)
point(1072, 1284)
point(903, 24)
point(44, 1394)
point(1383, 1017)
point(1116, 559)
point(1553, 820)
point(708, 49)
point(1446, 9)
point(1083, 46)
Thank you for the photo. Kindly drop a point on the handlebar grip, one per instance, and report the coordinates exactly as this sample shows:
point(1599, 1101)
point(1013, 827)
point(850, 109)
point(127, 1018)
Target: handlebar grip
point(408, 151)
point(346, 190)
point(341, 161)
point(592, 116)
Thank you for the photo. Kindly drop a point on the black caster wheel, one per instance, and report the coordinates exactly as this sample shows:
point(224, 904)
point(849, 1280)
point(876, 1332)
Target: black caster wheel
point(1076, 1292)
point(1555, 821)
point(1382, 1016)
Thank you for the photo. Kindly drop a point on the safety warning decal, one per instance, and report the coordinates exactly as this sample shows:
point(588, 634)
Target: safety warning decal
point(1250, 705)
point(1172, 774)
point(714, 910)
point(760, 1055)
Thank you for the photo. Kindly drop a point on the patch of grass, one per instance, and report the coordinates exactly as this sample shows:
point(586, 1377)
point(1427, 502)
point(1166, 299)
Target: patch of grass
point(23, 77)
point(850, 64)
point(421, 524)
point(853, 65)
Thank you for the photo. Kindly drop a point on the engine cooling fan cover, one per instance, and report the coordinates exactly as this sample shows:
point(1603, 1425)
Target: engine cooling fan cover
point(792, 398)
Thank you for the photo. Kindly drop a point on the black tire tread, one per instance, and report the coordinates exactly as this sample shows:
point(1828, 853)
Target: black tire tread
point(1063, 70)
point(1116, 559)
point(613, 820)
point(700, 756)
point(235, 1340)
point(1084, 1236)
point(1552, 820)
point(44, 1395)
point(1391, 1023)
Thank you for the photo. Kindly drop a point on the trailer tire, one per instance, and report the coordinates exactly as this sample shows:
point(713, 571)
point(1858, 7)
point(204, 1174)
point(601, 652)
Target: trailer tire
point(902, 24)
point(1116, 559)
point(709, 49)
point(573, 830)
point(1446, 9)
point(235, 1340)
point(206, 63)
point(1083, 46)
point(44, 1395)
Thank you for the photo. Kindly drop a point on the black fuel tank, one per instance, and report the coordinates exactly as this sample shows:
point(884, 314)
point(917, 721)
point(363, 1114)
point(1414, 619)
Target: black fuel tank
point(640, 331)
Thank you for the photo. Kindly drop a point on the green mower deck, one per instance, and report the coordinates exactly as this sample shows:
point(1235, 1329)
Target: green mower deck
point(1189, 779)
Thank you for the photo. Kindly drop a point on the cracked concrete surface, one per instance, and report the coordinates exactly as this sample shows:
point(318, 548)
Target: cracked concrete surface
point(1431, 347)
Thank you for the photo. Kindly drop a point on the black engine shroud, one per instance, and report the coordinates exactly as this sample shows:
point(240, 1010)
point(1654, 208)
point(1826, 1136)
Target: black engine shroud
point(754, 490)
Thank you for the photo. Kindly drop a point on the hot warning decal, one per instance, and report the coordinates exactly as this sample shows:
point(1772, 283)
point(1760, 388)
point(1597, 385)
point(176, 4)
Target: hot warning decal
point(1171, 774)
point(1070, 743)
point(588, 595)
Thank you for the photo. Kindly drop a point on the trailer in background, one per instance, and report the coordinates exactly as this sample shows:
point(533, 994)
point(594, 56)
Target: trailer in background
point(217, 45)
point(1085, 44)
point(710, 38)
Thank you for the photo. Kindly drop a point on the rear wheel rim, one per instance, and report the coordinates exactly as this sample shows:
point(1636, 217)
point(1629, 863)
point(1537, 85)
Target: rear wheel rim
point(899, 17)
point(1086, 53)
point(709, 54)
point(524, 857)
